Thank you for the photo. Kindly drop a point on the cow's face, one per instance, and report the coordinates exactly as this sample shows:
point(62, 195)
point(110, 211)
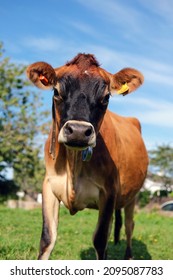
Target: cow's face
point(80, 104)
point(81, 96)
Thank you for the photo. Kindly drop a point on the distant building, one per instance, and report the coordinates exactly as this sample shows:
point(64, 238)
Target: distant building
point(153, 187)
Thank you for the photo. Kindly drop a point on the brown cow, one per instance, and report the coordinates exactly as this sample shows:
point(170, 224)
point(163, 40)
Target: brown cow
point(94, 158)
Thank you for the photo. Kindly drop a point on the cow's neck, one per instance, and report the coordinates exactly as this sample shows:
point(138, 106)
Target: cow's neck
point(74, 162)
point(73, 167)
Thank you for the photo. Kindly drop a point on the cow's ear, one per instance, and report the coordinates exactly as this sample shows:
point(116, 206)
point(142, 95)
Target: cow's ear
point(126, 81)
point(42, 75)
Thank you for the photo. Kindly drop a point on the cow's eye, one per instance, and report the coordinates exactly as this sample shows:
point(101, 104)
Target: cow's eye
point(105, 99)
point(56, 92)
point(57, 96)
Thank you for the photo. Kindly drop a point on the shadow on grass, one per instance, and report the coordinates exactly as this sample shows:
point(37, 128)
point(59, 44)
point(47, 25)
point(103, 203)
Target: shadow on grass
point(117, 252)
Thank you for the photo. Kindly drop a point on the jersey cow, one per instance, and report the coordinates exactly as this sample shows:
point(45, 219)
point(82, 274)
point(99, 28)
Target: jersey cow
point(94, 158)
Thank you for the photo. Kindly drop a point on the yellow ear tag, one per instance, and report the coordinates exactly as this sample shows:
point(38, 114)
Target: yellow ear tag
point(123, 89)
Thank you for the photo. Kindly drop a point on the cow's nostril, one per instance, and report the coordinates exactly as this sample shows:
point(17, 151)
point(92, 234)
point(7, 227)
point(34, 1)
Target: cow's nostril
point(88, 132)
point(68, 130)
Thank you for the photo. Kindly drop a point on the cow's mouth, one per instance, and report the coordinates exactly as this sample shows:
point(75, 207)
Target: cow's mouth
point(87, 151)
point(76, 145)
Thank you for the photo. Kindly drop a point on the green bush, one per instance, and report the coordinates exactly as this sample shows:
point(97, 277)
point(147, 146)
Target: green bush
point(171, 194)
point(144, 198)
point(8, 190)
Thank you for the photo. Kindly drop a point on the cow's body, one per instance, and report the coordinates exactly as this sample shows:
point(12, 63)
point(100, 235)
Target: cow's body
point(109, 180)
point(119, 148)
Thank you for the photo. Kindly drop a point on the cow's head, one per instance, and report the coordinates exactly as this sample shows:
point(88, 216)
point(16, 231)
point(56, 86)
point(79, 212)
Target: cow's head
point(81, 95)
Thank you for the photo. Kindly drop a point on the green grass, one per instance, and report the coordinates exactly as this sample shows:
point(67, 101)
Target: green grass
point(20, 233)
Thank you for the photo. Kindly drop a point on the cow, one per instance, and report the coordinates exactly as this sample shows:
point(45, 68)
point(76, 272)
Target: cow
point(94, 158)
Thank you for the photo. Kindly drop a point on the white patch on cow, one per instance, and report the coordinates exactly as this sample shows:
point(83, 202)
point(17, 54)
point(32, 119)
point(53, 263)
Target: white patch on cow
point(86, 72)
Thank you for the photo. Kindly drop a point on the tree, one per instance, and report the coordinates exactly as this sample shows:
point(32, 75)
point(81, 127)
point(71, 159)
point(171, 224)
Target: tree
point(161, 163)
point(20, 126)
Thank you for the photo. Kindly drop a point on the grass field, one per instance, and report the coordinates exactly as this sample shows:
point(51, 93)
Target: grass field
point(20, 233)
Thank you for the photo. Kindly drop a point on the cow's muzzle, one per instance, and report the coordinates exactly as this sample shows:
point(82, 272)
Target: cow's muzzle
point(77, 135)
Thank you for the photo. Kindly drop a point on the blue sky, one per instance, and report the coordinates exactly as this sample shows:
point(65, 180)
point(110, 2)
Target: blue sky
point(121, 33)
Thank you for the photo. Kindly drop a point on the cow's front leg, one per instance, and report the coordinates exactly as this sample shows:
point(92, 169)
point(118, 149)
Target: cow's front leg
point(50, 209)
point(101, 235)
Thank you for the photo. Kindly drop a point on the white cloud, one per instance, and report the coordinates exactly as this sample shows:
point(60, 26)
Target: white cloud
point(115, 12)
point(158, 117)
point(162, 8)
point(149, 111)
point(83, 27)
point(159, 77)
point(43, 44)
